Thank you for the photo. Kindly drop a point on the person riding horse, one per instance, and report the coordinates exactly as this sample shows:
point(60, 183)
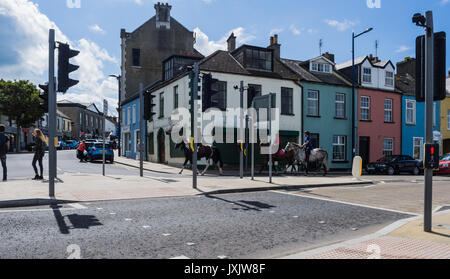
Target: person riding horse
point(307, 145)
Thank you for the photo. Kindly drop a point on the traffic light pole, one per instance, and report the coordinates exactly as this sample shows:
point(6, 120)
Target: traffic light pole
point(195, 125)
point(241, 131)
point(141, 127)
point(52, 114)
point(429, 93)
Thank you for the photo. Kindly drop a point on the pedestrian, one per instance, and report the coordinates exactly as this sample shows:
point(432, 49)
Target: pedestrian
point(80, 151)
point(4, 148)
point(39, 152)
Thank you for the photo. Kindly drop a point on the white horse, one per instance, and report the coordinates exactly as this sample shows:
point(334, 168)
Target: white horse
point(318, 156)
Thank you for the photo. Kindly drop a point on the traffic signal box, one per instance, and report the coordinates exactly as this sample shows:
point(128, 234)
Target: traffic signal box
point(44, 96)
point(209, 90)
point(431, 156)
point(65, 68)
point(149, 106)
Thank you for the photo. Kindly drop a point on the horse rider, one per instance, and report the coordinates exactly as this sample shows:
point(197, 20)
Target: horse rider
point(307, 145)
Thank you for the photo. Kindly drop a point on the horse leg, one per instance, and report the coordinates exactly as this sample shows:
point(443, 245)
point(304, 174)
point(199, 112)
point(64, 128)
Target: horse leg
point(184, 166)
point(206, 169)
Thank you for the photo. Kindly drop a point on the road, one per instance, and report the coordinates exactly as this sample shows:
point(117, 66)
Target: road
point(251, 225)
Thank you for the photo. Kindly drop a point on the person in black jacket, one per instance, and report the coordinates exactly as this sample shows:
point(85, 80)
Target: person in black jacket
point(4, 147)
point(39, 152)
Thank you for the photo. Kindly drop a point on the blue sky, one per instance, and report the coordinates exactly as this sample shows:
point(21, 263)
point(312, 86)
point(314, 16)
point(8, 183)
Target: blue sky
point(94, 28)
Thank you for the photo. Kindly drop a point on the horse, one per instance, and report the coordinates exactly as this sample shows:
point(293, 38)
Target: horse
point(203, 151)
point(281, 156)
point(318, 157)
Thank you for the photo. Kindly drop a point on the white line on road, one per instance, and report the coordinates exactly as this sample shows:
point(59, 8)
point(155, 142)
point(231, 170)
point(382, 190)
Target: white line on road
point(180, 258)
point(166, 234)
point(77, 206)
point(190, 244)
point(347, 203)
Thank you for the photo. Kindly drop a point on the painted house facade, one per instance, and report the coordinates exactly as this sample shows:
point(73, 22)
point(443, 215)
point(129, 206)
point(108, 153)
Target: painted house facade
point(413, 123)
point(445, 120)
point(379, 108)
point(259, 69)
point(327, 113)
point(130, 128)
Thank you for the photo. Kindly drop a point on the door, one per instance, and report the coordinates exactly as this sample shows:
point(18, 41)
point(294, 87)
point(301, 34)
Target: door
point(161, 147)
point(364, 150)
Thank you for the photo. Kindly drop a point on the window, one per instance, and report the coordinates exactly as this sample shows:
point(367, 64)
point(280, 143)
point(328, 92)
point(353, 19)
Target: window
point(134, 114)
point(127, 142)
point(287, 102)
point(388, 110)
point(129, 116)
point(161, 105)
point(365, 108)
point(321, 67)
point(81, 118)
point(340, 105)
point(175, 97)
point(411, 112)
point(388, 147)
point(258, 59)
point(168, 70)
point(389, 79)
point(315, 140)
point(313, 103)
point(367, 75)
point(136, 57)
point(417, 146)
point(254, 90)
point(339, 148)
point(448, 119)
point(219, 100)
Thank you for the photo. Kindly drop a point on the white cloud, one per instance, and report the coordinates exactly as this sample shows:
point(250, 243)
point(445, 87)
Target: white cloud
point(32, 28)
point(276, 31)
point(97, 29)
point(207, 47)
point(340, 25)
point(294, 30)
point(402, 49)
point(443, 2)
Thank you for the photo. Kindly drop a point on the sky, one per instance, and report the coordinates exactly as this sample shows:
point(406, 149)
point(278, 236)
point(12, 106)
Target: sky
point(93, 27)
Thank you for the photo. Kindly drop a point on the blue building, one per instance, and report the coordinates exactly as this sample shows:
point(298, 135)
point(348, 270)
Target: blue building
point(413, 113)
point(131, 128)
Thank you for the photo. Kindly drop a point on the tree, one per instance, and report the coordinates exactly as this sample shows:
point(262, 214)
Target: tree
point(19, 101)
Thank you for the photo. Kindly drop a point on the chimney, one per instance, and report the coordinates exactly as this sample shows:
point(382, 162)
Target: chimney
point(231, 42)
point(329, 56)
point(407, 66)
point(275, 46)
point(163, 15)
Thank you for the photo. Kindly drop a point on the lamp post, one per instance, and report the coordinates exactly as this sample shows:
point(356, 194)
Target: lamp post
point(354, 118)
point(119, 136)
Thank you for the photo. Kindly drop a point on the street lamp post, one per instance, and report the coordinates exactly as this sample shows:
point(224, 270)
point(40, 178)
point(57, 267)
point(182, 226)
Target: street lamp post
point(119, 132)
point(354, 109)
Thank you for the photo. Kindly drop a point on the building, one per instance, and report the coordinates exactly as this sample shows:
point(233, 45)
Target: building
point(261, 71)
point(327, 108)
point(87, 119)
point(445, 120)
point(413, 122)
point(63, 126)
point(143, 53)
point(379, 107)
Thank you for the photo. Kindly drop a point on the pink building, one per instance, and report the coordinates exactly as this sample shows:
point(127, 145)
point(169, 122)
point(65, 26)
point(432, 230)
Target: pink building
point(379, 107)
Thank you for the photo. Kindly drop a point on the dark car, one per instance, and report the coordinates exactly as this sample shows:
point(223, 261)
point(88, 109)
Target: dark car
point(444, 165)
point(395, 164)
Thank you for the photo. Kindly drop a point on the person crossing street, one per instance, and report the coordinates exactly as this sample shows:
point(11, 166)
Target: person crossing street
point(4, 147)
point(39, 152)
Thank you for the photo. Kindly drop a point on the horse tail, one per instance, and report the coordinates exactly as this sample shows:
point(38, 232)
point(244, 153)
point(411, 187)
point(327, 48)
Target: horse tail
point(219, 157)
point(326, 161)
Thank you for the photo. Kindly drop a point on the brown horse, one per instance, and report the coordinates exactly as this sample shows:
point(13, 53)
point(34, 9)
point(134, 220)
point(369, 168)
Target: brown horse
point(288, 157)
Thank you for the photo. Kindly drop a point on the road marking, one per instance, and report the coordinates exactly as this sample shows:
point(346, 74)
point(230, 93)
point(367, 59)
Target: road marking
point(35, 210)
point(295, 217)
point(180, 258)
point(77, 206)
point(222, 257)
point(146, 227)
point(99, 208)
point(112, 213)
point(166, 234)
point(128, 219)
point(347, 203)
point(272, 211)
point(190, 244)
point(321, 222)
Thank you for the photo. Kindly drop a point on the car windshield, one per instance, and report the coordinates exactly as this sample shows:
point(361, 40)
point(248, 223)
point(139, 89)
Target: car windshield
point(445, 157)
point(386, 159)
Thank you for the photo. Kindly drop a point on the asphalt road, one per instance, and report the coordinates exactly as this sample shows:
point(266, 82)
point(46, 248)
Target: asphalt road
point(250, 225)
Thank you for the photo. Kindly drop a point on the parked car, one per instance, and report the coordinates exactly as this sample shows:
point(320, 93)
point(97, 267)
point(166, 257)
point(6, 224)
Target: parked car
point(62, 145)
point(72, 144)
point(444, 165)
point(395, 164)
point(95, 152)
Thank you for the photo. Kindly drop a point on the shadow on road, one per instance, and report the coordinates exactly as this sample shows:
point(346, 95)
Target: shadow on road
point(76, 221)
point(244, 205)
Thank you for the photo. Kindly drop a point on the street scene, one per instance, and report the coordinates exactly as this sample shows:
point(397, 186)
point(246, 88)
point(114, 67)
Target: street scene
point(174, 133)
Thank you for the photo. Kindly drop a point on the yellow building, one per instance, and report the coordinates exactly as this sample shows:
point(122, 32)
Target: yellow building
point(445, 120)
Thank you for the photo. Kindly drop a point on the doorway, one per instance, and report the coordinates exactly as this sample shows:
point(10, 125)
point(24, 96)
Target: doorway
point(161, 147)
point(364, 150)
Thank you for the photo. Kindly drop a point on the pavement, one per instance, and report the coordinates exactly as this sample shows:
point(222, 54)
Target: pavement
point(75, 186)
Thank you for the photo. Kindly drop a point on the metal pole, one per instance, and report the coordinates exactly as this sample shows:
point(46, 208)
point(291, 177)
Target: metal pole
point(429, 93)
point(104, 136)
point(141, 129)
point(247, 139)
point(241, 131)
point(195, 124)
point(270, 138)
point(253, 145)
point(119, 133)
point(354, 107)
point(52, 114)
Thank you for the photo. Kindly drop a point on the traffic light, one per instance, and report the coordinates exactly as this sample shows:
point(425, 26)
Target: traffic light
point(431, 158)
point(209, 90)
point(44, 97)
point(439, 67)
point(65, 68)
point(148, 106)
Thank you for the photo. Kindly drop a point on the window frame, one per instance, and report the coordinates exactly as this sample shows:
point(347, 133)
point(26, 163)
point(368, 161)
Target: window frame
point(176, 95)
point(290, 96)
point(136, 57)
point(365, 75)
point(391, 110)
point(391, 79)
point(134, 114)
point(220, 85)
point(388, 150)
point(365, 108)
point(340, 144)
point(420, 146)
point(343, 103)
point(413, 102)
point(161, 105)
point(317, 100)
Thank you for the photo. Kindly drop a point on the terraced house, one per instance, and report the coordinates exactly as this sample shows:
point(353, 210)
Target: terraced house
point(326, 107)
point(445, 120)
point(379, 107)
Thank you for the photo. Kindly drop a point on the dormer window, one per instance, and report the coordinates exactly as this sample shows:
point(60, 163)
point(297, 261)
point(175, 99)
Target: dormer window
point(389, 79)
point(168, 69)
point(367, 75)
point(258, 59)
point(321, 67)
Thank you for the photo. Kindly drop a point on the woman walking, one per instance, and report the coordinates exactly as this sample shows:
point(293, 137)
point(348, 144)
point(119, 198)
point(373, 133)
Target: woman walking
point(39, 152)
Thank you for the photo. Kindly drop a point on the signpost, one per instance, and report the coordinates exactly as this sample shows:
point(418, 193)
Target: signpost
point(141, 129)
point(105, 113)
point(51, 114)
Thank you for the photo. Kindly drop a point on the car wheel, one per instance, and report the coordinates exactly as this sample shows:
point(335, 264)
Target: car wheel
point(416, 171)
point(391, 171)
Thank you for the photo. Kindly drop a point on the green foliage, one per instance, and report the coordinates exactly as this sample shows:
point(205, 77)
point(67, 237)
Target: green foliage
point(19, 100)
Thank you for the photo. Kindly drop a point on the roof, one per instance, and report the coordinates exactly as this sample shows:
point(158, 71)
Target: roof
point(60, 113)
point(347, 64)
point(406, 84)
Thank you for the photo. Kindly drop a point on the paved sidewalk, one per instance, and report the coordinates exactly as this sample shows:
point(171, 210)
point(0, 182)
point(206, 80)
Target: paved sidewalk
point(402, 240)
